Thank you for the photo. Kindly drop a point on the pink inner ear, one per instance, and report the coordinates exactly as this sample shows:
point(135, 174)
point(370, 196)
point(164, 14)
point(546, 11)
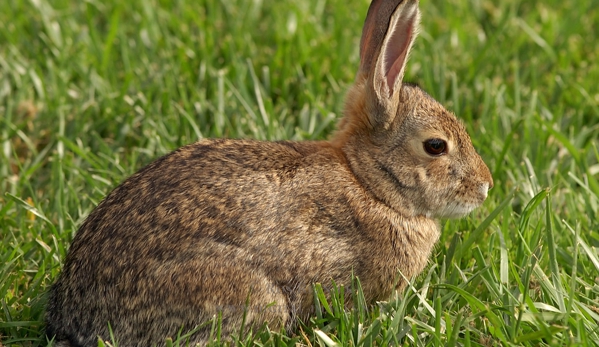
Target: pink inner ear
point(396, 51)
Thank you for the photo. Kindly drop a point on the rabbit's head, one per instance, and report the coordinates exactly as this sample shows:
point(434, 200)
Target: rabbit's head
point(403, 146)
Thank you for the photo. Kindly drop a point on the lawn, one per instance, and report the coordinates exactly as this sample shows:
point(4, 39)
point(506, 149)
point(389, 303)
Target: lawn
point(91, 91)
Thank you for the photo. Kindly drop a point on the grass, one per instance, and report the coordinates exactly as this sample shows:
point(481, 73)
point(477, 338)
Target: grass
point(90, 91)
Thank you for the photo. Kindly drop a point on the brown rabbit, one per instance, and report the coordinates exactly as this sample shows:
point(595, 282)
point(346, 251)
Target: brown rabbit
point(220, 226)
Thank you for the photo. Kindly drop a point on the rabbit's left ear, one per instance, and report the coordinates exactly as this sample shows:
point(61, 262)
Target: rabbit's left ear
point(389, 31)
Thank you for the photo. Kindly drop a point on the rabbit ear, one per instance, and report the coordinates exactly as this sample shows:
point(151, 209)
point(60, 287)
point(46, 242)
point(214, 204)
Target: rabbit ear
point(389, 31)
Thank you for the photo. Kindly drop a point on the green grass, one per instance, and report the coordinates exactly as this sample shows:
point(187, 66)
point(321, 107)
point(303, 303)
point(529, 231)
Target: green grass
point(90, 91)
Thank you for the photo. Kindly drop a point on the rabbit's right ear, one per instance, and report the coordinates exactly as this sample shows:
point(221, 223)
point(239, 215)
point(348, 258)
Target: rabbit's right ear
point(389, 31)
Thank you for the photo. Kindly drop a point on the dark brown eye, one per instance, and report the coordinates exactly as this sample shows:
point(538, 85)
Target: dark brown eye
point(435, 147)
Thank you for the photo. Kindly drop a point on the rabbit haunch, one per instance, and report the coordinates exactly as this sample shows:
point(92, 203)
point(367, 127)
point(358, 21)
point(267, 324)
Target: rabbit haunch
point(224, 226)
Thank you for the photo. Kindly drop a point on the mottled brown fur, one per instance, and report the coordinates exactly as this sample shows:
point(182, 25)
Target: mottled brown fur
point(214, 224)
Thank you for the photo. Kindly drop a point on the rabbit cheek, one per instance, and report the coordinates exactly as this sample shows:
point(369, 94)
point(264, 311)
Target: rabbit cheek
point(437, 186)
point(462, 197)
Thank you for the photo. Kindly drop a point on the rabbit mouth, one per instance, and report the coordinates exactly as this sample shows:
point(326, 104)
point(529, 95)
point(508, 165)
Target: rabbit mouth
point(455, 210)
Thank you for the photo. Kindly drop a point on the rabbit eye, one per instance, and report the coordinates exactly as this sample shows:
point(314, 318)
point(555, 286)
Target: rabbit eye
point(435, 147)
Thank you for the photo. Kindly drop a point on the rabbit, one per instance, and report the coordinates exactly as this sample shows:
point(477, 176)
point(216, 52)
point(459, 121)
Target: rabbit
point(227, 228)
